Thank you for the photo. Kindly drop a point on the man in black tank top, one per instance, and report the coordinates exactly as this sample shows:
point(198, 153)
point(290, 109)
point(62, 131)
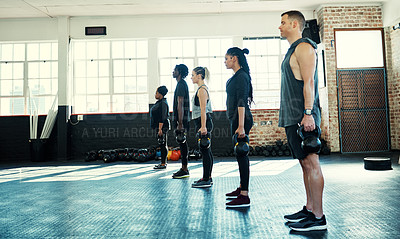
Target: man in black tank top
point(300, 105)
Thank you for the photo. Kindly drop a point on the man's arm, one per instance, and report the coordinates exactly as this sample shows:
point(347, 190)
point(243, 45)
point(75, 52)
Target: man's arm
point(180, 112)
point(306, 58)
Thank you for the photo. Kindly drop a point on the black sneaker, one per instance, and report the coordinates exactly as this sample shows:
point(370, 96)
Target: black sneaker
point(240, 201)
point(181, 174)
point(160, 166)
point(298, 216)
point(201, 183)
point(310, 223)
point(233, 194)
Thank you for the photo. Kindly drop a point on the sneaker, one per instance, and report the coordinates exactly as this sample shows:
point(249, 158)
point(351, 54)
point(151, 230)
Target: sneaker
point(160, 166)
point(298, 216)
point(310, 223)
point(201, 183)
point(240, 201)
point(181, 174)
point(233, 194)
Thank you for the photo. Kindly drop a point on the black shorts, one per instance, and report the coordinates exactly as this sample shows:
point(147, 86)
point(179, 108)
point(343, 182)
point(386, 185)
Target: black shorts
point(294, 142)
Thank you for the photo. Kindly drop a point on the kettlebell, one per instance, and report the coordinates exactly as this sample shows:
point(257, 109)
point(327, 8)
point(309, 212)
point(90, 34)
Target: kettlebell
point(161, 139)
point(175, 155)
point(180, 136)
point(311, 142)
point(203, 141)
point(241, 145)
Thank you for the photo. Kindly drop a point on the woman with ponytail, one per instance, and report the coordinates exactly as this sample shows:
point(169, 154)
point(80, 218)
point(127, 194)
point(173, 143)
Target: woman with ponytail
point(201, 114)
point(239, 92)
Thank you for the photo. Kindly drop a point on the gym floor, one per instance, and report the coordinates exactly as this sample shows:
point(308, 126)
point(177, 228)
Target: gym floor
point(74, 199)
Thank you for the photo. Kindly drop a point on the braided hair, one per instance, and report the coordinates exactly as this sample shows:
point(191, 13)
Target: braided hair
point(183, 70)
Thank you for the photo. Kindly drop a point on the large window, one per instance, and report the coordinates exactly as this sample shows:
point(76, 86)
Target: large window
point(27, 64)
point(110, 76)
point(208, 53)
point(265, 58)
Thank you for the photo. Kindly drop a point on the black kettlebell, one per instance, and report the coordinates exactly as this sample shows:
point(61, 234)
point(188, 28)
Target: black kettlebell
point(241, 145)
point(203, 141)
point(311, 142)
point(180, 136)
point(161, 139)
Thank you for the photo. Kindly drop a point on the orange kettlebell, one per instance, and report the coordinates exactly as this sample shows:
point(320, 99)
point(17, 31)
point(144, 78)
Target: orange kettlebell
point(174, 155)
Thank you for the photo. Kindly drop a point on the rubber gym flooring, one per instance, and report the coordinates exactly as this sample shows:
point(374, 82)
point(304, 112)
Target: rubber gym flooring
point(74, 199)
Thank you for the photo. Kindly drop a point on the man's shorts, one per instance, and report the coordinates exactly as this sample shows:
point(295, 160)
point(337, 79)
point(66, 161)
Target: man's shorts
point(294, 142)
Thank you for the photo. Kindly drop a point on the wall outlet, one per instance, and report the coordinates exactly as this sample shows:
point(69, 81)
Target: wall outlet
point(80, 117)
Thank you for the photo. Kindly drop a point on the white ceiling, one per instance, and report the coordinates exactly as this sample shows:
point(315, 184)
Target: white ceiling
point(54, 8)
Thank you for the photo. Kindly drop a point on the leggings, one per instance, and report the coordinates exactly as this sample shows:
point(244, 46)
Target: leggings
point(208, 158)
point(163, 147)
point(184, 147)
point(243, 161)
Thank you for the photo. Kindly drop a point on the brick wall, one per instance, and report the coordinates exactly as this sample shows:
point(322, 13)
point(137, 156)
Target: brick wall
point(265, 130)
point(330, 18)
point(393, 62)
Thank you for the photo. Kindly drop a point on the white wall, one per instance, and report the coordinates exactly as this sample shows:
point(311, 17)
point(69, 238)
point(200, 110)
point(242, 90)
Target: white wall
point(244, 24)
point(391, 13)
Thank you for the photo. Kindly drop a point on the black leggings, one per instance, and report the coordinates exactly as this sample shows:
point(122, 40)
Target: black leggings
point(163, 147)
point(243, 161)
point(184, 147)
point(208, 158)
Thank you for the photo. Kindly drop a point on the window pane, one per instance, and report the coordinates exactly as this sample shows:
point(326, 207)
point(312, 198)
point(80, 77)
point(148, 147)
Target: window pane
point(176, 48)
point(79, 50)
point(92, 104)
point(18, 88)
point(104, 104)
point(119, 83)
point(353, 48)
point(142, 49)
point(6, 71)
point(93, 87)
point(33, 51)
point(104, 86)
point(142, 67)
point(6, 106)
point(80, 85)
point(119, 67)
point(91, 50)
point(19, 52)
point(130, 68)
point(104, 68)
point(118, 103)
point(45, 51)
point(7, 52)
point(188, 48)
point(80, 103)
point(92, 69)
point(130, 85)
point(164, 48)
point(6, 87)
point(79, 69)
point(44, 70)
point(104, 52)
point(130, 49)
point(118, 49)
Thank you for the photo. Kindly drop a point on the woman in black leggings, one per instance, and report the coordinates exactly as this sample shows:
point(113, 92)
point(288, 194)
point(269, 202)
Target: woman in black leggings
point(201, 114)
point(239, 92)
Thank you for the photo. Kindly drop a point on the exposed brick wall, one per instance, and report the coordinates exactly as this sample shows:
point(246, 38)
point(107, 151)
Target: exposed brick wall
point(330, 18)
point(264, 133)
point(393, 62)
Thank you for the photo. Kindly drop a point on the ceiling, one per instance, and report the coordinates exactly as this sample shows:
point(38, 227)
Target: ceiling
point(74, 8)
